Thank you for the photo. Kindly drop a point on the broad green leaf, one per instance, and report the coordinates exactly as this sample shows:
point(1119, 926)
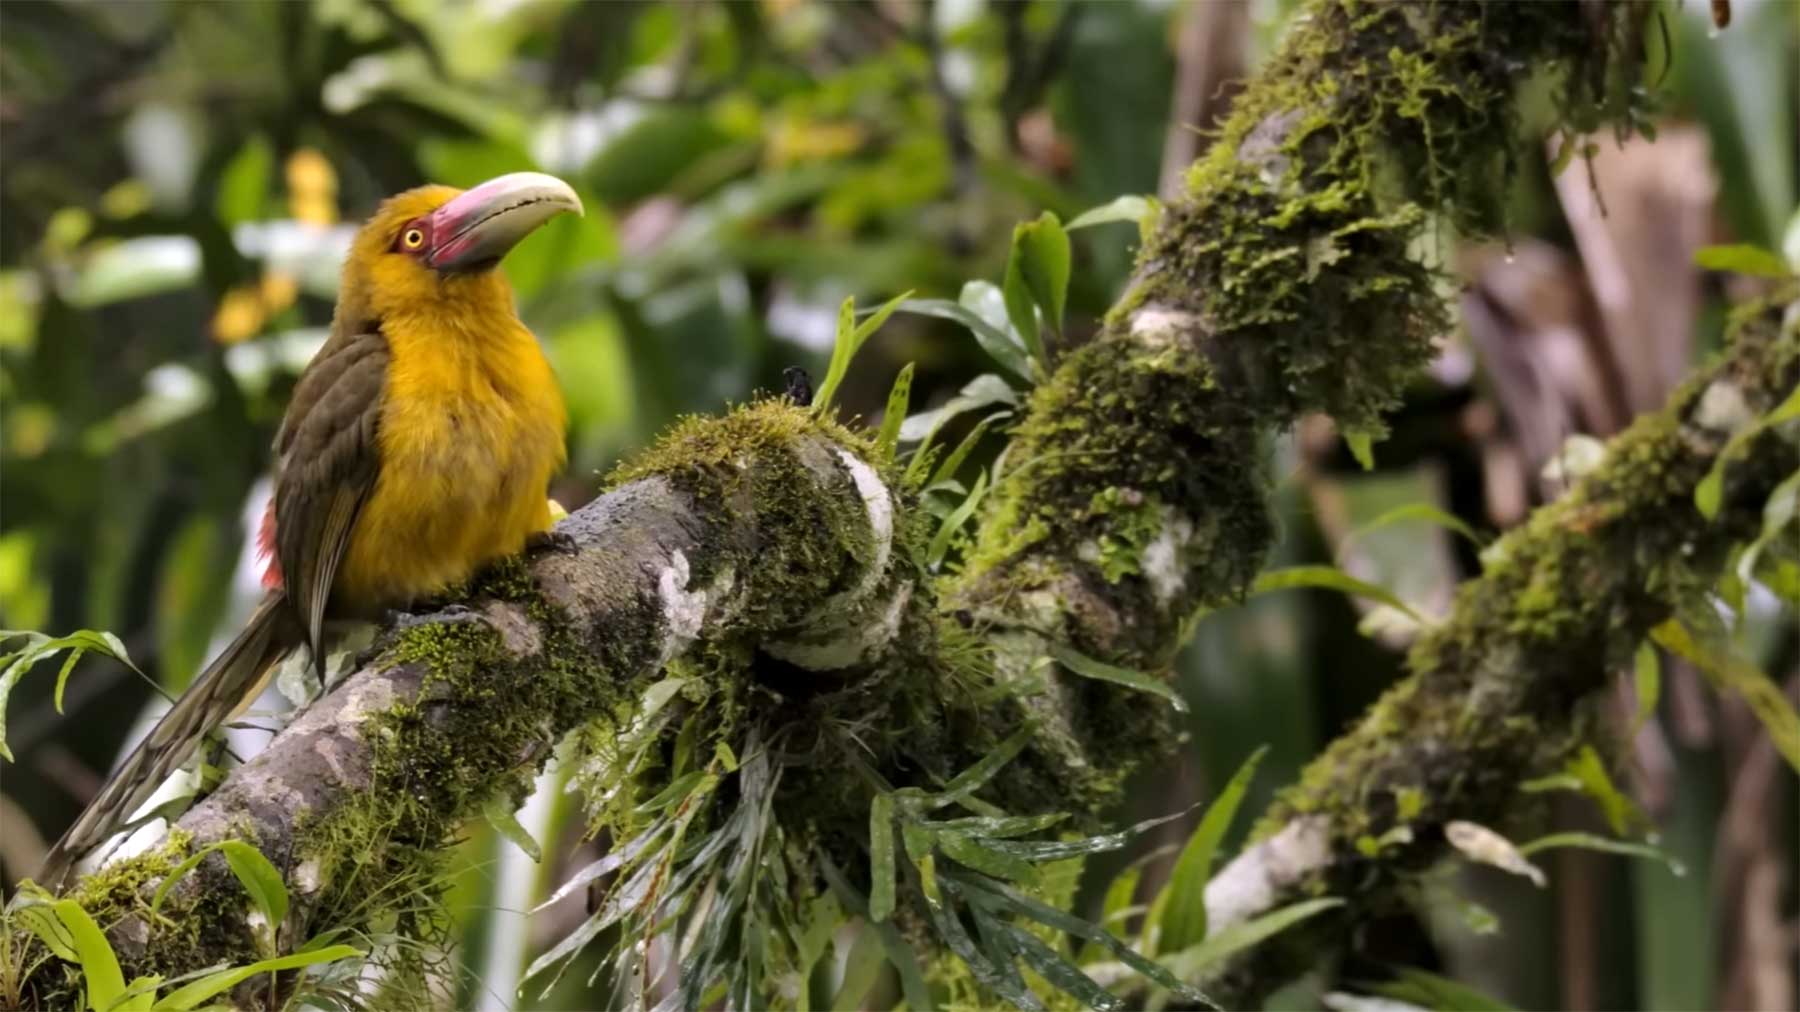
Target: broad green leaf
point(1329, 578)
point(243, 190)
point(41, 920)
point(1088, 667)
point(1191, 962)
point(1411, 512)
point(1043, 250)
point(1606, 844)
point(100, 973)
point(1727, 671)
point(187, 998)
point(881, 857)
point(259, 878)
point(895, 413)
point(1005, 348)
point(1742, 258)
point(1362, 446)
point(1711, 490)
point(940, 542)
point(1022, 302)
point(979, 392)
point(861, 966)
point(505, 819)
point(1131, 208)
point(1430, 991)
point(1184, 913)
point(899, 953)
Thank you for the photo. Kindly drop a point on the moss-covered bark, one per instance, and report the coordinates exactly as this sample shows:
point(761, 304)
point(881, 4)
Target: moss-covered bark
point(1505, 687)
point(1286, 280)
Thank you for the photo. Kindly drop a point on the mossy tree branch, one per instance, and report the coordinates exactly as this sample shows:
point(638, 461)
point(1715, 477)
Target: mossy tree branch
point(771, 550)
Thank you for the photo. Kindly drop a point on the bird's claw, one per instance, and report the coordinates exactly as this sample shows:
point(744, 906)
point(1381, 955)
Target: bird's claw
point(556, 541)
point(448, 614)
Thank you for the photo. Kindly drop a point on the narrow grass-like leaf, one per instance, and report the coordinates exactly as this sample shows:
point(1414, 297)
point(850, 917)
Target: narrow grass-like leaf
point(984, 968)
point(187, 998)
point(850, 338)
point(1087, 667)
point(1413, 512)
point(1007, 350)
point(996, 826)
point(982, 770)
point(881, 857)
point(1441, 994)
point(1005, 898)
point(1646, 671)
point(888, 437)
point(1232, 939)
point(947, 468)
point(1056, 850)
point(1590, 841)
point(1730, 672)
point(940, 542)
point(1060, 973)
point(1184, 914)
point(100, 972)
point(1330, 578)
point(974, 854)
point(612, 862)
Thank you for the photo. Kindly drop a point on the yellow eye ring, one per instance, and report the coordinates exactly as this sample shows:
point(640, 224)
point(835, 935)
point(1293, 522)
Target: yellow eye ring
point(412, 238)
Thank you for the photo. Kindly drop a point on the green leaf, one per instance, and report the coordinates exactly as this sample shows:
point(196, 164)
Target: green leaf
point(1329, 578)
point(1004, 347)
point(966, 783)
point(243, 190)
point(1184, 914)
point(1193, 961)
point(850, 338)
point(41, 920)
point(979, 392)
point(895, 413)
point(1620, 811)
point(1647, 680)
point(1087, 667)
point(259, 878)
point(505, 819)
point(1037, 278)
point(1742, 258)
point(62, 676)
point(1131, 208)
point(968, 851)
point(1362, 446)
point(187, 998)
point(947, 468)
point(37, 647)
point(861, 965)
point(940, 542)
point(1605, 844)
point(1729, 672)
point(881, 857)
point(100, 973)
point(1711, 490)
point(1411, 512)
point(1430, 991)
point(899, 953)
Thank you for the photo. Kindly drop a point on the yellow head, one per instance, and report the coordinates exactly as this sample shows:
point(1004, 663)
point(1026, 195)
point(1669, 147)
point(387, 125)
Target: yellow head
point(434, 249)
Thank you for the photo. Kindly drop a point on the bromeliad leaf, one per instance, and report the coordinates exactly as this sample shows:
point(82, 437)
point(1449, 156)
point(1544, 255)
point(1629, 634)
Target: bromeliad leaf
point(1087, 667)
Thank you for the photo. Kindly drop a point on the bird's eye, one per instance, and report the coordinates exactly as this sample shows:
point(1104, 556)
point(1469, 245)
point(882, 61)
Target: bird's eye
point(412, 238)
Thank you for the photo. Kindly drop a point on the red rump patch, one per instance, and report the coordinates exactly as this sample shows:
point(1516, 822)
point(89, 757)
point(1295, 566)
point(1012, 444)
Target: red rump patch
point(265, 547)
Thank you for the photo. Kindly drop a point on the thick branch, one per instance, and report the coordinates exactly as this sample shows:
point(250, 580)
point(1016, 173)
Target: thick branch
point(1502, 689)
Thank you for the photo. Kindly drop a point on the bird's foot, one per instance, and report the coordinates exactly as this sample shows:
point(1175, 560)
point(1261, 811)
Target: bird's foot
point(551, 541)
point(446, 614)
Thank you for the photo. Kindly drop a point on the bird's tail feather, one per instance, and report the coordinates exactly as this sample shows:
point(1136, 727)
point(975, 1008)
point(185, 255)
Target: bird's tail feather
point(228, 684)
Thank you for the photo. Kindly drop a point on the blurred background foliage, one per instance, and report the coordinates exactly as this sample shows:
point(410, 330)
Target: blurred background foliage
point(178, 181)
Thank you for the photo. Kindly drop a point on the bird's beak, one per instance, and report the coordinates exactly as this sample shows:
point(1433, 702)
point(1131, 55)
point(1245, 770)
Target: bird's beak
point(476, 228)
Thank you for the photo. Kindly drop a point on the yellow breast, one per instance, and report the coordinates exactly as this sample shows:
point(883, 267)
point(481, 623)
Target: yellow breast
point(471, 433)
